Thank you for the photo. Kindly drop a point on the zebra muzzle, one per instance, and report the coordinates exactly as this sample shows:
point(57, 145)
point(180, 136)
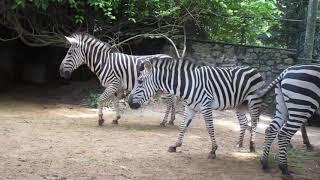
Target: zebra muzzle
point(133, 105)
point(65, 74)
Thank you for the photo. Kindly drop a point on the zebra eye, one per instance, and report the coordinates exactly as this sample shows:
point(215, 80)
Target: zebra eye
point(69, 53)
point(139, 81)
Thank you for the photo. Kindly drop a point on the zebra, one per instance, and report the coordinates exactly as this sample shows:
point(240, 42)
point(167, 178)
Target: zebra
point(117, 72)
point(203, 88)
point(297, 91)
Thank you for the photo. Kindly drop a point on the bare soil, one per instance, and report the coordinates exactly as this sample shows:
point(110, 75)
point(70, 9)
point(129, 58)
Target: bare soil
point(51, 137)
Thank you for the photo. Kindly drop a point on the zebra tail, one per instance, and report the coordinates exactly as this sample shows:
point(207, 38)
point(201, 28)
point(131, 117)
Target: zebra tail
point(262, 92)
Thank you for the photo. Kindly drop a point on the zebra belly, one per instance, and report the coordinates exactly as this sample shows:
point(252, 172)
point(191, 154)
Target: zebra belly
point(215, 105)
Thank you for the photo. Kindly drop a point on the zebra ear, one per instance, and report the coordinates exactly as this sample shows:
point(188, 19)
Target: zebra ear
point(147, 65)
point(71, 40)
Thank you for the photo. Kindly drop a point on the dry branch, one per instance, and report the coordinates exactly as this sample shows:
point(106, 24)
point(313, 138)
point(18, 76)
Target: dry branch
point(150, 36)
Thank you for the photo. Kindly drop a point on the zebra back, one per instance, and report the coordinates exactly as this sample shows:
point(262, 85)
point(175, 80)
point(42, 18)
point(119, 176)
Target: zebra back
point(262, 92)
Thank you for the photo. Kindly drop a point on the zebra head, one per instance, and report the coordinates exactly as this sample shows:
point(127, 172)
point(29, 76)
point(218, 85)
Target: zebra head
point(144, 88)
point(75, 57)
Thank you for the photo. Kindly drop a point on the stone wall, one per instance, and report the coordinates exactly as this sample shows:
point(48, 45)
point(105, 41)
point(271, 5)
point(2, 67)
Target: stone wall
point(268, 61)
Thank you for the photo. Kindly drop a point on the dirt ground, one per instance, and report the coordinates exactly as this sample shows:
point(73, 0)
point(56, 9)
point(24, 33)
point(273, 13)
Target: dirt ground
point(46, 135)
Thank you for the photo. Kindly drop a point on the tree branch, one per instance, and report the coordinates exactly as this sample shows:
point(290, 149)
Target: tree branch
point(150, 36)
point(184, 43)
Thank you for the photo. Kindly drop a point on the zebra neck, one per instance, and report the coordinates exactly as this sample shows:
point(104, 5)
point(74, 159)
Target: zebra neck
point(96, 57)
point(171, 76)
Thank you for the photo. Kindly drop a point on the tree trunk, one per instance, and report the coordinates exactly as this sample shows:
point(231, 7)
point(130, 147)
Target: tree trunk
point(310, 29)
point(308, 50)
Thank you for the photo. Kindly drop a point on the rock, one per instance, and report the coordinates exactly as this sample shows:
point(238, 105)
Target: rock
point(257, 50)
point(265, 68)
point(220, 59)
point(269, 74)
point(277, 55)
point(288, 61)
point(249, 50)
point(257, 66)
point(278, 60)
point(281, 67)
point(270, 62)
point(217, 47)
point(216, 54)
point(254, 56)
point(247, 60)
point(229, 53)
point(267, 57)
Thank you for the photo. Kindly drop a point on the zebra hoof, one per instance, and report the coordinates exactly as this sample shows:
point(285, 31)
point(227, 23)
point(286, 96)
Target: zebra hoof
point(100, 122)
point(252, 147)
point(115, 122)
point(172, 149)
point(284, 169)
point(239, 145)
point(265, 165)
point(171, 124)
point(212, 155)
point(310, 147)
point(162, 124)
point(287, 177)
point(290, 146)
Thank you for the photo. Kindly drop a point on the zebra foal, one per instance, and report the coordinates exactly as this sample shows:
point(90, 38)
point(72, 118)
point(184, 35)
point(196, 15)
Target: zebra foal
point(203, 88)
point(116, 71)
point(297, 91)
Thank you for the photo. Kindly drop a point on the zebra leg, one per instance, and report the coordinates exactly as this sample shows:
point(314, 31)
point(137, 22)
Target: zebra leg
point(173, 110)
point(207, 114)
point(243, 126)
point(187, 117)
point(297, 118)
point(100, 113)
point(108, 92)
point(280, 117)
point(305, 137)
point(254, 107)
point(168, 104)
point(116, 106)
point(284, 138)
point(270, 134)
point(169, 100)
point(254, 123)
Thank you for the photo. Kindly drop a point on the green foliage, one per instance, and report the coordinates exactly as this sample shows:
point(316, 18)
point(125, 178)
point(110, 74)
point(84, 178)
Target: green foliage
point(92, 100)
point(242, 22)
point(289, 34)
point(297, 159)
point(235, 21)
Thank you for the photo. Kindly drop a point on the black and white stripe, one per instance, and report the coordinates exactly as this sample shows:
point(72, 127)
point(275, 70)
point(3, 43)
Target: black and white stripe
point(116, 71)
point(297, 98)
point(204, 88)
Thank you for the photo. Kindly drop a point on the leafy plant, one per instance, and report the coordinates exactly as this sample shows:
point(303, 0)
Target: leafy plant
point(92, 100)
point(296, 159)
point(43, 22)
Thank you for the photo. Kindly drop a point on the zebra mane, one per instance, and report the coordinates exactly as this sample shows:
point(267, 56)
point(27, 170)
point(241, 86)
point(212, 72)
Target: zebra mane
point(199, 63)
point(81, 35)
point(187, 59)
